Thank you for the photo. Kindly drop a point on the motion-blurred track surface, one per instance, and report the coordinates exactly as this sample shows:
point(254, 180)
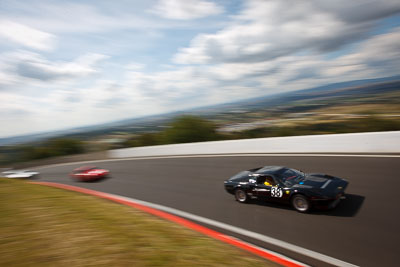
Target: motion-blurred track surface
point(362, 230)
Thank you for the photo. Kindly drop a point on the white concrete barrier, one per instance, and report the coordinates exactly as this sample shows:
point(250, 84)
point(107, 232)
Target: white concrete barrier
point(375, 142)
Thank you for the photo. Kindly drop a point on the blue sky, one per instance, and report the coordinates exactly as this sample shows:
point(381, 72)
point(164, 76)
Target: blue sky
point(66, 64)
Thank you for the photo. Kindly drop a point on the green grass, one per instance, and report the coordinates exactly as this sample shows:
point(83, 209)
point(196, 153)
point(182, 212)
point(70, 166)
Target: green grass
point(42, 226)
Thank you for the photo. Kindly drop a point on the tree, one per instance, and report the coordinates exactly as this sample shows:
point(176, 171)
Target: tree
point(65, 146)
point(187, 129)
point(51, 148)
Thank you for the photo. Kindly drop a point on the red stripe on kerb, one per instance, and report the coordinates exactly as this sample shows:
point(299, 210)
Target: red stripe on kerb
point(181, 221)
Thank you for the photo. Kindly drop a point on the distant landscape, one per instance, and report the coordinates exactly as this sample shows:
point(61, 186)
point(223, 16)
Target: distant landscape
point(358, 106)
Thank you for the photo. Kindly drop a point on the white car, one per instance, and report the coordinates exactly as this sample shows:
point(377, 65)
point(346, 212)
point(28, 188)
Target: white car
point(19, 174)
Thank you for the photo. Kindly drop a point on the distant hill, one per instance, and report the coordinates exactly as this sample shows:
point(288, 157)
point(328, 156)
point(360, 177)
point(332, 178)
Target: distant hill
point(359, 87)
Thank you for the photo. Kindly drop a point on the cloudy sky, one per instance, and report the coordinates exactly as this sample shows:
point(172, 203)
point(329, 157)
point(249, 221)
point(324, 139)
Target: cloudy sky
point(73, 63)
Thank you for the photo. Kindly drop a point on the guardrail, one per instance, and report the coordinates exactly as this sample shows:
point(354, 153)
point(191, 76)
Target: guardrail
point(374, 142)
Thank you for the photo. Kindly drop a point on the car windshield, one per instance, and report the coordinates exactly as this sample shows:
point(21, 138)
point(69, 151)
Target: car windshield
point(290, 177)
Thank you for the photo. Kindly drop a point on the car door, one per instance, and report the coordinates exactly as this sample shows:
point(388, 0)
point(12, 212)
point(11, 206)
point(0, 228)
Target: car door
point(262, 188)
point(279, 192)
point(269, 189)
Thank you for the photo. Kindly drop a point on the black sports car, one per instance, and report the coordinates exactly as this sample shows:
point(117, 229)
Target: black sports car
point(286, 185)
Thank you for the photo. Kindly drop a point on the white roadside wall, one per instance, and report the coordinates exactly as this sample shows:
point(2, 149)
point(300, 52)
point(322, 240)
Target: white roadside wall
point(375, 142)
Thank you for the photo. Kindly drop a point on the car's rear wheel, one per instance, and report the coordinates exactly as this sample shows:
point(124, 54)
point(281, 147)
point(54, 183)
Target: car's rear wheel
point(241, 196)
point(301, 203)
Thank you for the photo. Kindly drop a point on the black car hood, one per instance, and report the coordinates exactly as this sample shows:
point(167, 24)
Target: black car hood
point(323, 183)
point(315, 180)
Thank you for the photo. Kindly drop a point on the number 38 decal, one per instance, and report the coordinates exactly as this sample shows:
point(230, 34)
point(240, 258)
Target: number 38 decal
point(276, 192)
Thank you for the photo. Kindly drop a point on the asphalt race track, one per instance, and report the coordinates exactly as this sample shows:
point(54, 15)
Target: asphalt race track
point(363, 230)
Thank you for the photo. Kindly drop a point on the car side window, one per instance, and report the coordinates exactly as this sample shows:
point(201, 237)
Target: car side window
point(269, 181)
point(266, 180)
point(261, 179)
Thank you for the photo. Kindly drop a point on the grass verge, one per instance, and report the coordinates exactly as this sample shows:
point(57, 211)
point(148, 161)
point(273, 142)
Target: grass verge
point(42, 226)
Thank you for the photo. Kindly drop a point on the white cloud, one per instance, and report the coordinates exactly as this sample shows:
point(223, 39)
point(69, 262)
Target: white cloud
point(139, 93)
point(69, 17)
point(135, 66)
point(33, 66)
point(13, 102)
point(379, 55)
point(186, 9)
point(167, 87)
point(26, 36)
point(266, 30)
point(7, 77)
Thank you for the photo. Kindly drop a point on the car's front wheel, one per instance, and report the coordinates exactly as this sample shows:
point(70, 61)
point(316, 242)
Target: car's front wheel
point(301, 203)
point(241, 196)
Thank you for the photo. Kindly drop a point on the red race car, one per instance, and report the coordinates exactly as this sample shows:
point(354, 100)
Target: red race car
point(89, 173)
